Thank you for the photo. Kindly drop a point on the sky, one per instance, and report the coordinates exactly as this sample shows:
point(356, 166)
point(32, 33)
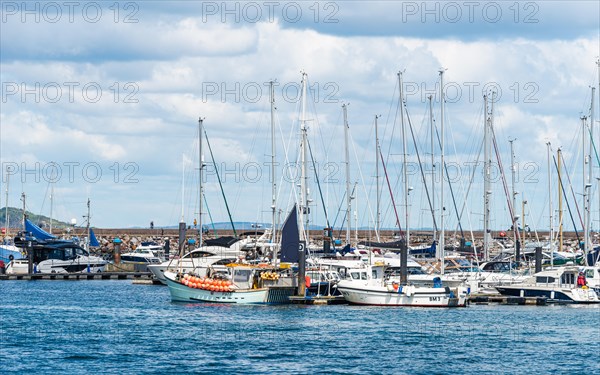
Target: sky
point(101, 100)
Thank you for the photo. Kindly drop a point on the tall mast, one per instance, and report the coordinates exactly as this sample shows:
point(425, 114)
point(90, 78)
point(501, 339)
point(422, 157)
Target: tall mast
point(432, 161)
point(348, 193)
point(273, 154)
point(443, 229)
point(590, 176)
point(550, 208)
point(23, 197)
point(200, 182)
point(87, 242)
point(304, 210)
point(486, 181)
point(6, 218)
point(51, 204)
point(377, 195)
point(182, 186)
point(515, 218)
point(560, 193)
point(404, 152)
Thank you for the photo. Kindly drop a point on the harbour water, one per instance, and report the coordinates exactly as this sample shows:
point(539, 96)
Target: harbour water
point(114, 327)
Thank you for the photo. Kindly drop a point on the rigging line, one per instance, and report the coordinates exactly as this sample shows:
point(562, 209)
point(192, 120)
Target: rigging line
point(369, 208)
point(421, 168)
point(341, 228)
point(209, 216)
point(504, 183)
point(567, 201)
point(571, 188)
point(391, 196)
point(312, 159)
point(220, 184)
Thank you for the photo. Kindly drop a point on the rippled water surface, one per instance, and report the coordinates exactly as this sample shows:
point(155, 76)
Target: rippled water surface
point(115, 327)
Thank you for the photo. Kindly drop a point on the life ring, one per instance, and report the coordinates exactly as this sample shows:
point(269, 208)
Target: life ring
point(11, 257)
point(307, 281)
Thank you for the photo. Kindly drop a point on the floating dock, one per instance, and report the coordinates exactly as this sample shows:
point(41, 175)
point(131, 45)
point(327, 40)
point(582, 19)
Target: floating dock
point(80, 276)
point(318, 300)
point(506, 300)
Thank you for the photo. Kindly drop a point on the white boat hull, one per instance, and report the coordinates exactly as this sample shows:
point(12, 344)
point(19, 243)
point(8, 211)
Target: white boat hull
point(407, 296)
point(271, 295)
point(79, 265)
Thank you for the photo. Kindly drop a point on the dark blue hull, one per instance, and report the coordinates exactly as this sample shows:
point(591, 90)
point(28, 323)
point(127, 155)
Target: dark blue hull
point(558, 296)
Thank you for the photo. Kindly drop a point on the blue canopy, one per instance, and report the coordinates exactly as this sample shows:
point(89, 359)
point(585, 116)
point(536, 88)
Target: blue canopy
point(37, 232)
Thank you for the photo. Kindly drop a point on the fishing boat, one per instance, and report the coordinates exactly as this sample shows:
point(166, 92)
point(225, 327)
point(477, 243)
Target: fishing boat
point(239, 284)
point(371, 286)
point(557, 285)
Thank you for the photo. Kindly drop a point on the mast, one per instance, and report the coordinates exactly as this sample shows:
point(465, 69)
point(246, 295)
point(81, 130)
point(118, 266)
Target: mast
point(560, 194)
point(23, 197)
point(6, 218)
point(486, 181)
point(404, 152)
point(432, 161)
point(587, 189)
point(551, 230)
point(443, 229)
point(273, 154)
point(200, 182)
point(182, 186)
point(590, 247)
point(87, 241)
point(348, 193)
point(304, 210)
point(51, 204)
point(377, 195)
point(515, 218)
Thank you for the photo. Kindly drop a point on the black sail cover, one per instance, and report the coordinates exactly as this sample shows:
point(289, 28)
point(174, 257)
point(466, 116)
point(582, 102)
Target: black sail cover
point(290, 238)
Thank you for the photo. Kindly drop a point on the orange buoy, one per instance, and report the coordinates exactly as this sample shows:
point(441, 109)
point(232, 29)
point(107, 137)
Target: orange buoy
point(307, 281)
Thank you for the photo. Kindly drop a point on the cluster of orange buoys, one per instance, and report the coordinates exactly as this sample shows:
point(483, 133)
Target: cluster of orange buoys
point(215, 285)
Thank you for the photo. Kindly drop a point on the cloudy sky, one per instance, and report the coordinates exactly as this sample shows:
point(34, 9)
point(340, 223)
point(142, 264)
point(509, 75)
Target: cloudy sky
point(103, 100)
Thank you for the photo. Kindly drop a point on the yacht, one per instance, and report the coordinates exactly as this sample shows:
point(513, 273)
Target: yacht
point(56, 256)
point(558, 285)
point(145, 253)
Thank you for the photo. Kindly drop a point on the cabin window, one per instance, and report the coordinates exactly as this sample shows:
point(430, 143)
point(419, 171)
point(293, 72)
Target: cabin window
point(69, 253)
point(355, 275)
point(363, 275)
point(241, 276)
point(568, 278)
point(589, 274)
point(55, 254)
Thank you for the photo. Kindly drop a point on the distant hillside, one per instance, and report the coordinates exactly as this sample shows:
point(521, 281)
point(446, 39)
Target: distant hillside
point(15, 216)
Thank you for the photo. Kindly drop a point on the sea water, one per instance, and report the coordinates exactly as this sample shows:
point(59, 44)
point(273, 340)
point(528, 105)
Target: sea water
point(115, 327)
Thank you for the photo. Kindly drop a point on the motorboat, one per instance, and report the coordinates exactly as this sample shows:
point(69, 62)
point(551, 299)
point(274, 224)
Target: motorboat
point(370, 285)
point(145, 253)
point(56, 256)
point(235, 284)
point(557, 285)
